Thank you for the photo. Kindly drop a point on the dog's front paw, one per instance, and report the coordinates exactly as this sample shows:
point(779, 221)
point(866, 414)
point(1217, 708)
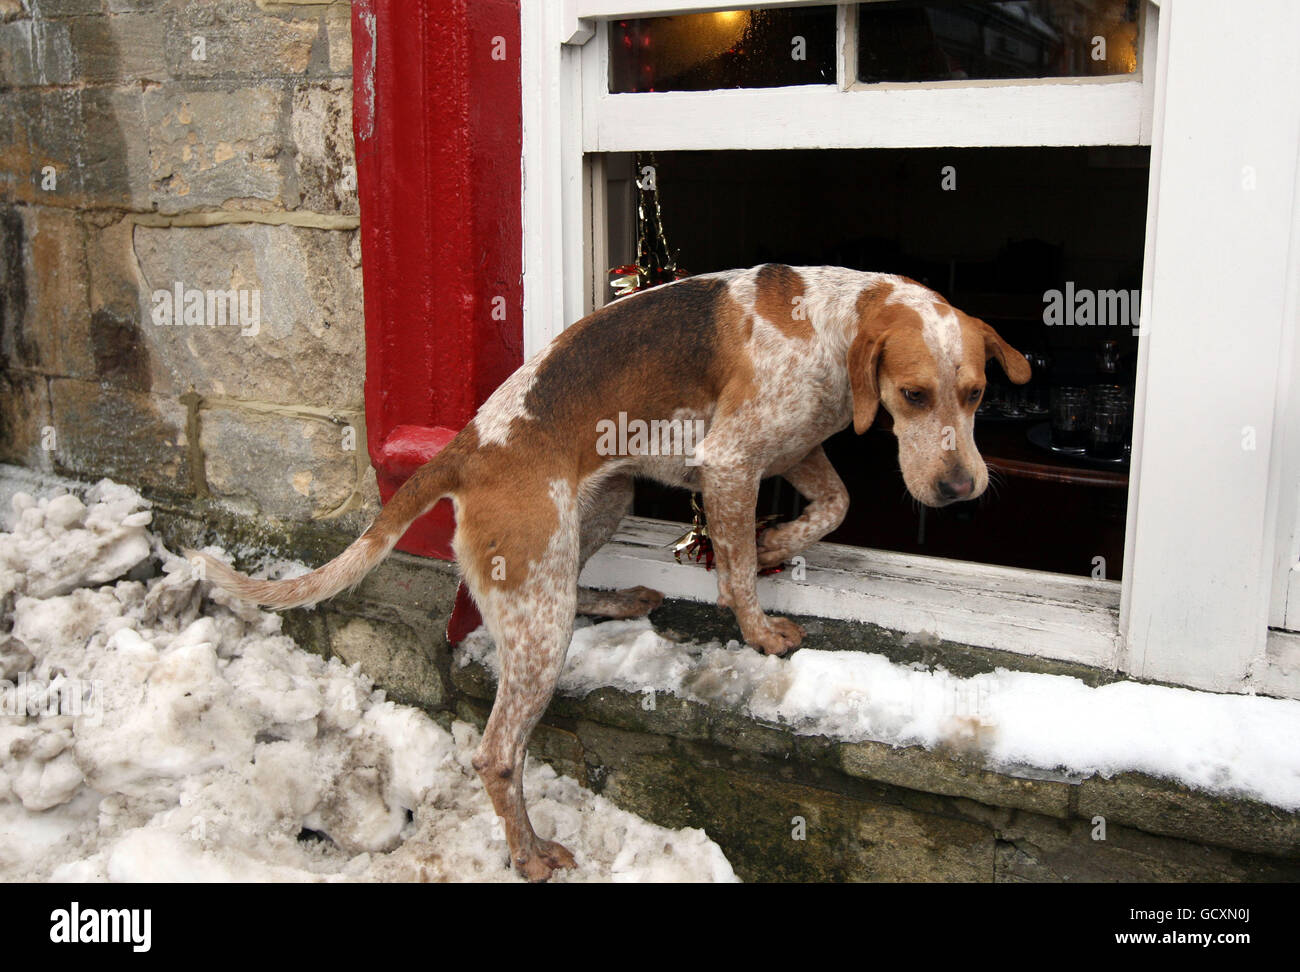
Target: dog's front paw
point(774, 547)
point(775, 637)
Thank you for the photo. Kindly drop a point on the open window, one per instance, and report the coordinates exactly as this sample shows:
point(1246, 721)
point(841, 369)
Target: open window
point(962, 144)
point(996, 228)
point(993, 229)
point(1038, 102)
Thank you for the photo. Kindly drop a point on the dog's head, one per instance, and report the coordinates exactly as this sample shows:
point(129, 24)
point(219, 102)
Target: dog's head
point(923, 359)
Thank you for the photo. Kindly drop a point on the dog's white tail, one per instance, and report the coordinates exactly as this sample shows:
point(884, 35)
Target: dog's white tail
point(431, 482)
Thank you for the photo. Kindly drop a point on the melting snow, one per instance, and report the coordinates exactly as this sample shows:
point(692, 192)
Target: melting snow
point(148, 733)
point(1029, 724)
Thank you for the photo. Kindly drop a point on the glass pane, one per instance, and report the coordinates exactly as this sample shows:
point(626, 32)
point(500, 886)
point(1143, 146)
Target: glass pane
point(944, 40)
point(731, 49)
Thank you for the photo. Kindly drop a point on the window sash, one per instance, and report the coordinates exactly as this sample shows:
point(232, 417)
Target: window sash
point(1105, 110)
point(923, 115)
point(583, 19)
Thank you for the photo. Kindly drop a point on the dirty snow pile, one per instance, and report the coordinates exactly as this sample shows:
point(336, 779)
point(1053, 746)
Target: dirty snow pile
point(150, 732)
point(1043, 726)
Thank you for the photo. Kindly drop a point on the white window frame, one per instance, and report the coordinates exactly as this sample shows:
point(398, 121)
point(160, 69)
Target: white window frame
point(1197, 614)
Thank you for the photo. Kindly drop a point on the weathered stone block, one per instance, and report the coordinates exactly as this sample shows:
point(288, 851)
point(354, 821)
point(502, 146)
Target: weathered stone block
point(133, 6)
point(19, 347)
point(404, 581)
point(211, 147)
point(48, 323)
point(37, 52)
point(659, 713)
point(238, 40)
point(282, 464)
point(473, 681)
point(46, 307)
point(185, 522)
point(15, 185)
point(628, 766)
point(338, 34)
point(932, 772)
point(129, 47)
point(115, 149)
point(94, 138)
point(740, 733)
point(393, 654)
point(70, 8)
point(116, 340)
point(325, 169)
point(844, 840)
point(774, 830)
point(59, 311)
point(131, 437)
point(1032, 848)
point(1164, 807)
point(306, 626)
point(562, 749)
point(309, 344)
point(24, 419)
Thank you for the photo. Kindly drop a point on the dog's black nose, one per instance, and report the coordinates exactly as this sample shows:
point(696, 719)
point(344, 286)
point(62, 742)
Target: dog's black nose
point(959, 487)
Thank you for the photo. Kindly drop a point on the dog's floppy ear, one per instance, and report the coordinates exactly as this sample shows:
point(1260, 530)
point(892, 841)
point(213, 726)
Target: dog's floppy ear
point(864, 361)
point(1012, 361)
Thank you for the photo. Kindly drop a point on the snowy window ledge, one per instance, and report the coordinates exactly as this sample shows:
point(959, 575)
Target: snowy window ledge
point(1058, 616)
point(1216, 770)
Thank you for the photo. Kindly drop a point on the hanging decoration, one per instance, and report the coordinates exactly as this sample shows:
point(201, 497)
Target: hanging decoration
point(655, 264)
point(697, 546)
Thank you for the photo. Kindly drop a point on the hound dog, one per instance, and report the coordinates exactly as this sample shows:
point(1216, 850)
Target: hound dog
point(771, 361)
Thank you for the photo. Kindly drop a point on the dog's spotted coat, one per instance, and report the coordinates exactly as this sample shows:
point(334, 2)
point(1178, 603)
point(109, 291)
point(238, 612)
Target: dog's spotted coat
point(773, 360)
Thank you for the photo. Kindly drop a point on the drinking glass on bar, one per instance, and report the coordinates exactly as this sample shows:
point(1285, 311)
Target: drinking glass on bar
point(1110, 421)
point(1069, 417)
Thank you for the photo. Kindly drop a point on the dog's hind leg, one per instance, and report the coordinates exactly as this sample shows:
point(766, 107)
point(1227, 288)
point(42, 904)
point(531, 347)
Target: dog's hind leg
point(531, 654)
point(601, 514)
point(528, 608)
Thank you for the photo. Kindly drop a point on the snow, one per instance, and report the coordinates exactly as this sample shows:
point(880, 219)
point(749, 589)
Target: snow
point(1026, 724)
point(151, 733)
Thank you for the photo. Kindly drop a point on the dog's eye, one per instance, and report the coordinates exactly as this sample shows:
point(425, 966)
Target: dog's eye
point(975, 395)
point(914, 397)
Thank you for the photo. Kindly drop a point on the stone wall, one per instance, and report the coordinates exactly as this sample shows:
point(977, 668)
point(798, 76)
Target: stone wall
point(202, 151)
point(790, 807)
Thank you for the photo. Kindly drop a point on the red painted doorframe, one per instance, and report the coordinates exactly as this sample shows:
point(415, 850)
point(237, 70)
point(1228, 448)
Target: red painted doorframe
point(437, 120)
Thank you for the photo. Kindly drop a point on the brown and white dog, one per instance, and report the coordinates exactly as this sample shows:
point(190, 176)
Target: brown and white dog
point(768, 362)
